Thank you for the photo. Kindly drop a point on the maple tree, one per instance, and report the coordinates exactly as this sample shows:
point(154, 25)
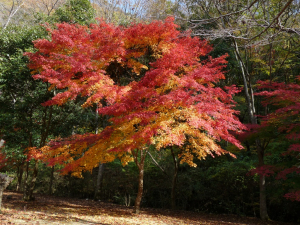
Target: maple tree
point(149, 80)
point(285, 97)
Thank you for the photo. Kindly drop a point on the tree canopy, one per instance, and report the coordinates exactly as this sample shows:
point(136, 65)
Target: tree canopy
point(170, 97)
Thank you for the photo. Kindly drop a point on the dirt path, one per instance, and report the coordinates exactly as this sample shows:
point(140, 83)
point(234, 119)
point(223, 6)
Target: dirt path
point(54, 210)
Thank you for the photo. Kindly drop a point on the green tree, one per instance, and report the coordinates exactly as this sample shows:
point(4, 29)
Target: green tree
point(24, 121)
point(75, 11)
point(251, 28)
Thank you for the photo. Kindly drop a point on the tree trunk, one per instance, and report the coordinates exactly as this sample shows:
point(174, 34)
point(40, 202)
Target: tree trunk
point(1, 195)
point(70, 184)
point(140, 162)
point(174, 181)
point(4, 182)
point(20, 176)
point(51, 181)
point(29, 187)
point(245, 75)
point(26, 180)
point(101, 165)
point(139, 196)
point(262, 188)
point(253, 119)
point(99, 179)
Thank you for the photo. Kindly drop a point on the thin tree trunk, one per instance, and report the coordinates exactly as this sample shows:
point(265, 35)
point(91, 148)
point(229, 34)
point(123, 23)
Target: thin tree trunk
point(262, 188)
point(174, 181)
point(253, 119)
point(26, 171)
point(139, 196)
point(100, 166)
point(70, 184)
point(51, 181)
point(4, 182)
point(20, 176)
point(140, 164)
point(29, 187)
point(1, 195)
point(99, 179)
point(33, 180)
point(28, 193)
point(26, 187)
point(245, 75)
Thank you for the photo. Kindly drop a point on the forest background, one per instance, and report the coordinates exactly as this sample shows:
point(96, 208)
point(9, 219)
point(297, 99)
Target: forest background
point(261, 39)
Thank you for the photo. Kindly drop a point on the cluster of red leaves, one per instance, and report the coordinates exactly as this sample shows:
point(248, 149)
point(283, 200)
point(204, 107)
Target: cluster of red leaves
point(282, 174)
point(294, 196)
point(175, 102)
point(3, 160)
point(285, 119)
point(265, 170)
point(269, 170)
point(286, 98)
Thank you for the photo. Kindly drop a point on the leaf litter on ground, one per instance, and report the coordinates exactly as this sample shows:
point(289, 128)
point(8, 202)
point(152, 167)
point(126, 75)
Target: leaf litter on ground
point(61, 210)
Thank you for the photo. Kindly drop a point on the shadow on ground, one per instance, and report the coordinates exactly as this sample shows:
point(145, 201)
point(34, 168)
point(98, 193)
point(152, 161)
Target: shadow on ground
point(58, 210)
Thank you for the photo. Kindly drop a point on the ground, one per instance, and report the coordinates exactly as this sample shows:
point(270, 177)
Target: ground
point(56, 210)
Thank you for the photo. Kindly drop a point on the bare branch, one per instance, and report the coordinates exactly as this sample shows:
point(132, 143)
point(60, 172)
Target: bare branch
point(275, 19)
point(210, 20)
point(16, 5)
point(251, 24)
point(155, 162)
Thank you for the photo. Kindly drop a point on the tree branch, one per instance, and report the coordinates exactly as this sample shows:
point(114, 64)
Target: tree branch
point(156, 163)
